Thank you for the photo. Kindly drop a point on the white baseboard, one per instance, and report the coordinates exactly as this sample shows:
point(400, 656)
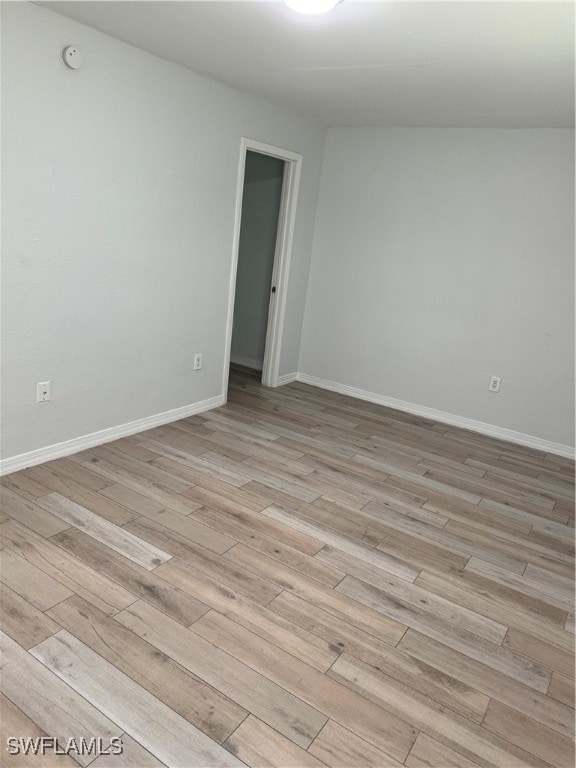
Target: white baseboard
point(288, 378)
point(452, 419)
point(58, 450)
point(68, 447)
point(247, 362)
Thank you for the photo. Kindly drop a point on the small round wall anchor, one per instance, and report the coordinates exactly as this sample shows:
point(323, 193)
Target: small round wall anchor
point(72, 57)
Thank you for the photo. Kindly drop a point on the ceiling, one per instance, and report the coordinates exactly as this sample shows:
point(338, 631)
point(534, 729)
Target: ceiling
point(463, 64)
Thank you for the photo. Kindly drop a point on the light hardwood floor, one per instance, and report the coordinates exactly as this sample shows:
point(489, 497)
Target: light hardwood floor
point(295, 579)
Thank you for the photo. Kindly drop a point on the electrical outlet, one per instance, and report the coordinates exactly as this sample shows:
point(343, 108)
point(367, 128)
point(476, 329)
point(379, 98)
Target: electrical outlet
point(198, 361)
point(42, 391)
point(495, 382)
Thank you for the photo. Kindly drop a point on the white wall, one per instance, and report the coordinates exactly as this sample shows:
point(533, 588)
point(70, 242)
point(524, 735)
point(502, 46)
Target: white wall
point(261, 199)
point(119, 185)
point(442, 257)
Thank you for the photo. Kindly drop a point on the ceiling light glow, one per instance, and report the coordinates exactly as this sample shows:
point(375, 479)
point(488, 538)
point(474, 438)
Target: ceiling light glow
point(311, 6)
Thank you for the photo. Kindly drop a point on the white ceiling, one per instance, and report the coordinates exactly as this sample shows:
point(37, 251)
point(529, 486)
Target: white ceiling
point(482, 64)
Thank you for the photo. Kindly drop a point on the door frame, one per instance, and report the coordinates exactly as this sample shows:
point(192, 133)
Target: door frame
point(282, 257)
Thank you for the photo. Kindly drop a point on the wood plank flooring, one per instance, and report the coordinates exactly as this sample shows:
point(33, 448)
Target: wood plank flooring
point(297, 579)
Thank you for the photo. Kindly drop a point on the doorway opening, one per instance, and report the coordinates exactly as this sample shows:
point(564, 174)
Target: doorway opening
point(265, 214)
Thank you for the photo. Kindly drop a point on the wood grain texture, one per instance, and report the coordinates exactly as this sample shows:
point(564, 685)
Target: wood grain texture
point(30, 514)
point(65, 569)
point(30, 582)
point(63, 474)
point(539, 706)
point(533, 737)
point(167, 735)
point(255, 743)
point(339, 605)
point(187, 528)
point(133, 756)
point(343, 543)
point(129, 498)
point(245, 526)
point(254, 616)
point(546, 596)
point(336, 746)
point(540, 652)
point(185, 694)
point(74, 491)
point(440, 686)
point(131, 467)
point(562, 689)
point(457, 587)
point(258, 694)
point(294, 579)
point(57, 709)
point(22, 621)
point(142, 583)
point(102, 530)
point(456, 732)
point(429, 753)
point(152, 489)
point(334, 627)
point(23, 485)
point(512, 664)
point(15, 724)
point(380, 728)
point(235, 576)
point(414, 595)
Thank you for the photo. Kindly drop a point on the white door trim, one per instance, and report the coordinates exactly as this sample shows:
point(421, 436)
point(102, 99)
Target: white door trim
point(283, 252)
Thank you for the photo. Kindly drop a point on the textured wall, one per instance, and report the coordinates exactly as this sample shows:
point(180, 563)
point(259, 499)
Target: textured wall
point(119, 184)
point(443, 257)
